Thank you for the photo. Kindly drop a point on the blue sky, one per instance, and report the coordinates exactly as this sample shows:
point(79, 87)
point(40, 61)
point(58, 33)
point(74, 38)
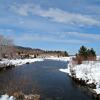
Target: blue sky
point(52, 24)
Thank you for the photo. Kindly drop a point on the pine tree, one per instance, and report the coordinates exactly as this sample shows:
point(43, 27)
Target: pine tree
point(65, 53)
point(83, 52)
point(92, 52)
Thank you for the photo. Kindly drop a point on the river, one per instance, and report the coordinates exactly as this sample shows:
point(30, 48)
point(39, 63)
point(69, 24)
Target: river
point(42, 78)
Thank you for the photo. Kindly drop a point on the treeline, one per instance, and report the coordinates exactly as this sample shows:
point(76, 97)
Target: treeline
point(59, 53)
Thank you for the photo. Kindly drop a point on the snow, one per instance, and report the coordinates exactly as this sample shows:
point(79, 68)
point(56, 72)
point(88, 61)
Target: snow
point(6, 97)
point(64, 70)
point(18, 62)
point(98, 57)
point(97, 90)
point(89, 72)
point(59, 58)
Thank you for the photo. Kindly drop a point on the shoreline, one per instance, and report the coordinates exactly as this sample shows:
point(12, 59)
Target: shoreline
point(77, 75)
point(10, 63)
point(7, 63)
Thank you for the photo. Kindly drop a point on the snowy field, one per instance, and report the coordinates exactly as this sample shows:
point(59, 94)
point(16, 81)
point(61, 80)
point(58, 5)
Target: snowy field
point(18, 62)
point(98, 58)
point(89, 72)
point(59, 58)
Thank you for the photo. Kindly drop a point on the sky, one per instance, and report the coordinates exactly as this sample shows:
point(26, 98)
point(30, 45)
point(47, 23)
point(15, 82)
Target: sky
point(52, 24)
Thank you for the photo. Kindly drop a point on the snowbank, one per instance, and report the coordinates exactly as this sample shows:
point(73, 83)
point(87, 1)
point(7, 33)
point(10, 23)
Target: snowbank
point(98, 58)
point(64, 70)
point(6, 97)
point(88, 72)
point(18, 62)
point(59, 58)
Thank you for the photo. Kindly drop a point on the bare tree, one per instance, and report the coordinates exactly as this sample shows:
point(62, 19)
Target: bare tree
point(6, 46)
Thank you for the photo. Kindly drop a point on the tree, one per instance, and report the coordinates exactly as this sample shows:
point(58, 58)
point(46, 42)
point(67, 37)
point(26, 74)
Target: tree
point(85, 54)
point(65, 53)
point(92, 52)
point(6, 46)
point(5, 41)
point(83, 51)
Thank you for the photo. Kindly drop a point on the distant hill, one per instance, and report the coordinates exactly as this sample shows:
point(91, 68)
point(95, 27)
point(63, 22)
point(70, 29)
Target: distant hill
point(25, 52)
point(28, 49)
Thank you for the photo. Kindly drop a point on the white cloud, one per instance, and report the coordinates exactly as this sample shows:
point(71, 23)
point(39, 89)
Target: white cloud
point(23, 10)
point(77, 35)
point(29, 37)
point(55, 37)
point(95, 37)
point(55, 14)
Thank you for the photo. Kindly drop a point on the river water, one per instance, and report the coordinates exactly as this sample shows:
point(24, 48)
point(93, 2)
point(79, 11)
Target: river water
point(42, 78)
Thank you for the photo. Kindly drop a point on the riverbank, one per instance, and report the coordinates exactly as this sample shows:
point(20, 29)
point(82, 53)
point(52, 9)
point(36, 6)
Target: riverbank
point(59, 58)
point(87, 74)
point(20, 96)
point(7, 63)
point(6, 97)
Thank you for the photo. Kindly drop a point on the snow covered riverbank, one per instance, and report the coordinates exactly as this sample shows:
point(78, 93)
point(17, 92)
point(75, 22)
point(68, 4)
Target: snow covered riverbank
point(88, 72)
point(18, 62)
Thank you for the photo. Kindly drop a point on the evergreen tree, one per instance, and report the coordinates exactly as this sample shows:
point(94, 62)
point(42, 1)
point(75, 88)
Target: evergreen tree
point(65, 53)
point(92, 52)
point(83, 51)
